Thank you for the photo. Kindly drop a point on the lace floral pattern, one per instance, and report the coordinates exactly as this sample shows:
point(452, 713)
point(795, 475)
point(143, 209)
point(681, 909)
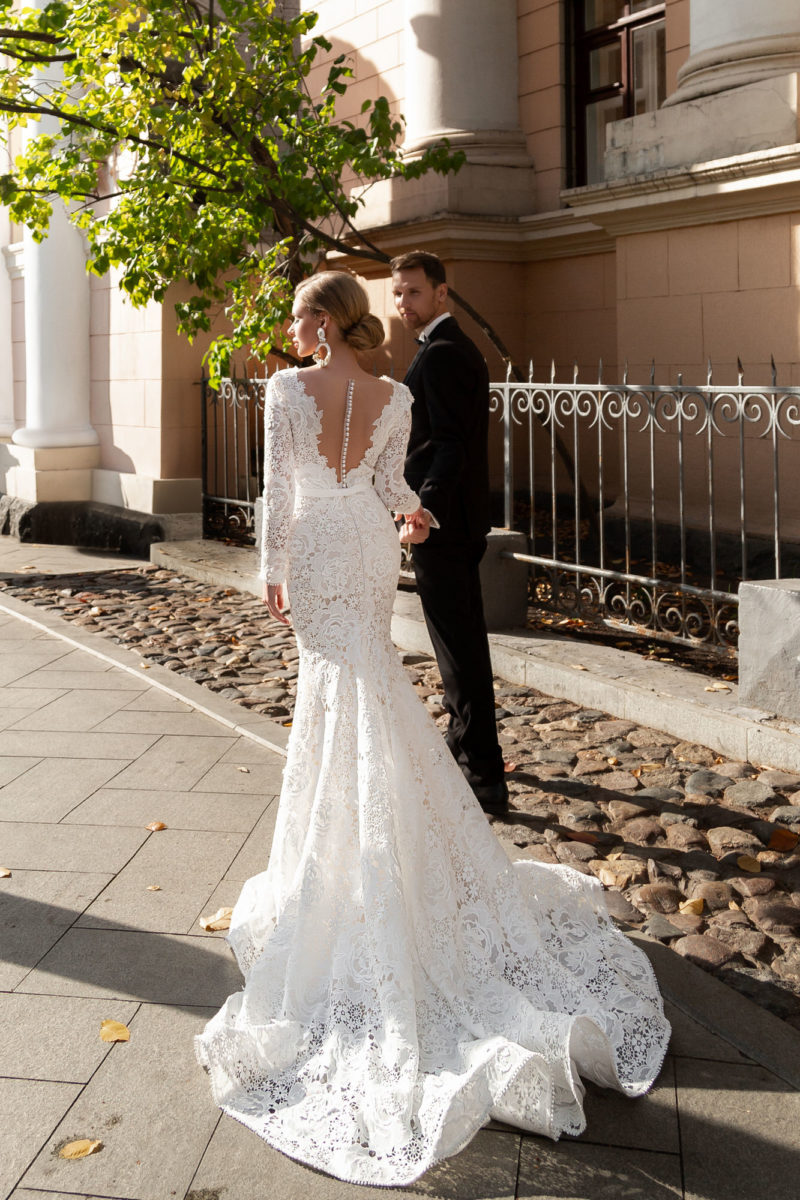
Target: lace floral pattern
point(403, 980)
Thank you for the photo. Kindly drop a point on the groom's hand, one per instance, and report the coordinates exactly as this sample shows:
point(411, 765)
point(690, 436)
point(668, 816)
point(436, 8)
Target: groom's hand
point(416, 527)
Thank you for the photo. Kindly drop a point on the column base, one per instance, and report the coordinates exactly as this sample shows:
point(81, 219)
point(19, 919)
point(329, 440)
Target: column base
point(736, 65)
point(46, 474)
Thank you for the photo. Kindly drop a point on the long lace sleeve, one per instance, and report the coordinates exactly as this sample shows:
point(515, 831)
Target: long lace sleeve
point(389, 481)
point(278, 484)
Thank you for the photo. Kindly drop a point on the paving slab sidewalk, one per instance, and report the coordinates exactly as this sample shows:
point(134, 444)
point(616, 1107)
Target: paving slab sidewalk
point(83, 939)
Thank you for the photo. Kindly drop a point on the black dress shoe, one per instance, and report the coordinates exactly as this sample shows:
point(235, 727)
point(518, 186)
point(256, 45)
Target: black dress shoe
point(492, 797)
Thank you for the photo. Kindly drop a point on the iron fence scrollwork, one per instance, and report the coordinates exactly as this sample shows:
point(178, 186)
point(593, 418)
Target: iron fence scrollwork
point(232, 430)
point(687, 485)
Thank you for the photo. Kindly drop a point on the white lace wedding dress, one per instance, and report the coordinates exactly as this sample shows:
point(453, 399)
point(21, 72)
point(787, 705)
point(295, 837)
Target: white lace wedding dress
point(403, 980)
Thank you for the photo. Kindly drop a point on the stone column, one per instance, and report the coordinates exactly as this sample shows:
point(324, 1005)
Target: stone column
point(461, 79)
point(6, 359)
point(57, 448)
point(736, 43)
point(57, 299)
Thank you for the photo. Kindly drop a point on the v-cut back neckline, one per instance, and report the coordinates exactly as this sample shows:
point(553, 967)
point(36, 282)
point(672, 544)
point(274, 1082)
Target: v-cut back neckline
point(334, 470)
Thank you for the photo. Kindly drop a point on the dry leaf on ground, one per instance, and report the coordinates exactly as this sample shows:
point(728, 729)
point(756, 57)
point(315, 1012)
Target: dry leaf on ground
point(244, 770)
point(509, 767)
point(155, 826)
point(783, 839)
point(692, 906)
point(114, 1031)
point(221, 919)
point(80, 1148)
point(746, 862)
point(578, 667)
point(5, 873)
point(154, 887)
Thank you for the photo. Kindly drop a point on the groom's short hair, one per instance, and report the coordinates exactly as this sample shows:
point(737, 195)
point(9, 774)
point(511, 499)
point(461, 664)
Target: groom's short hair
point(431, 264)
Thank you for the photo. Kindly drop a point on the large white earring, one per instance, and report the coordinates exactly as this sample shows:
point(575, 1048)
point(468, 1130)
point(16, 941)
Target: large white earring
point(322, 354)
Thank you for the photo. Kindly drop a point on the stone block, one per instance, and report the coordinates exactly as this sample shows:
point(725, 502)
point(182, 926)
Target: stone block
point(504, 582)
point(734, 122)
point(769, 646)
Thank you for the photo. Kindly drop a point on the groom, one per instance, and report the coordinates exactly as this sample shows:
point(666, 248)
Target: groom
point(447, 465)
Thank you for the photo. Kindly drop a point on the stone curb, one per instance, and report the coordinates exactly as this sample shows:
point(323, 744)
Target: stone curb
point(670, 699)
point(257, 728)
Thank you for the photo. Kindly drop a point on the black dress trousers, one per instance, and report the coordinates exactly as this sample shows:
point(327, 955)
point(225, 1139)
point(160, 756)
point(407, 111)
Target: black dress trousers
point(448, 582)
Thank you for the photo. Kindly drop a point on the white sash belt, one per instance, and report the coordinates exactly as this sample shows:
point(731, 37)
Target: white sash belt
point(312, 492)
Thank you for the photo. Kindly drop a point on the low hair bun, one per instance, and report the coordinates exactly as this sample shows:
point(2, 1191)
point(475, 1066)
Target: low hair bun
point(367, 333)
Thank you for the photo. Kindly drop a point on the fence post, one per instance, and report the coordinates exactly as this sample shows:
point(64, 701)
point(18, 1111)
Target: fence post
point(508, 454)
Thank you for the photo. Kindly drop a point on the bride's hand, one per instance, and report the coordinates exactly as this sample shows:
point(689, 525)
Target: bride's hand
point(416, 527)
point(274, 597)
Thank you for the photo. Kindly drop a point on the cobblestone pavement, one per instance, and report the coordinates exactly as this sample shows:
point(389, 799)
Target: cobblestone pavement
point(699, 853)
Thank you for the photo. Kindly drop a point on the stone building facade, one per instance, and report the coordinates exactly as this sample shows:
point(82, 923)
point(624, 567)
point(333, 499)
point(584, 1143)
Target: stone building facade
point(631, 193)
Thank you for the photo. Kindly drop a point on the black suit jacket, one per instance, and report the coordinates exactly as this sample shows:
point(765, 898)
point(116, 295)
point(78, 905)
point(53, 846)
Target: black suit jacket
point(447, 463)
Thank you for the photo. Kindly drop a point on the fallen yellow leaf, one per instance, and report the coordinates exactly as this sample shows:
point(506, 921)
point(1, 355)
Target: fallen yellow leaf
point(114, 1031)
point(154, 887)
point(651, 766)
point(578, 667)
point(692, 906)
point(80, 1148)
point(155, 826)
point(612, 762)
point(244, 770)
point(5, 873)
point(747, 863)
point(221, 919)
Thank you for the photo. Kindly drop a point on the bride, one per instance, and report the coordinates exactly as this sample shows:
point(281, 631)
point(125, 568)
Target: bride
point(404, 981)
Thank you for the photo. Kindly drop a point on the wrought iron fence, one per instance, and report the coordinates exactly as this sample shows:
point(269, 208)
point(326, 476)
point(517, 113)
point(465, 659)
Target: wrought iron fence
point(232, 430)
point(644, 506)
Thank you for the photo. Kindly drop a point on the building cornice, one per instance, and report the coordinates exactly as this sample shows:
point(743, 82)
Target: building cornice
point(747, 185)
point(534, 238)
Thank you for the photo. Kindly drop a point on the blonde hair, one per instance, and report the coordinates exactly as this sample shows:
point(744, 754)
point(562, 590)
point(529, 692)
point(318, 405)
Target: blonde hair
point(342, 297)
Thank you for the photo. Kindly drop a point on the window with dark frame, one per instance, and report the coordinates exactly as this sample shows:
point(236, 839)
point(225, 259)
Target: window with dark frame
point(619, 71)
